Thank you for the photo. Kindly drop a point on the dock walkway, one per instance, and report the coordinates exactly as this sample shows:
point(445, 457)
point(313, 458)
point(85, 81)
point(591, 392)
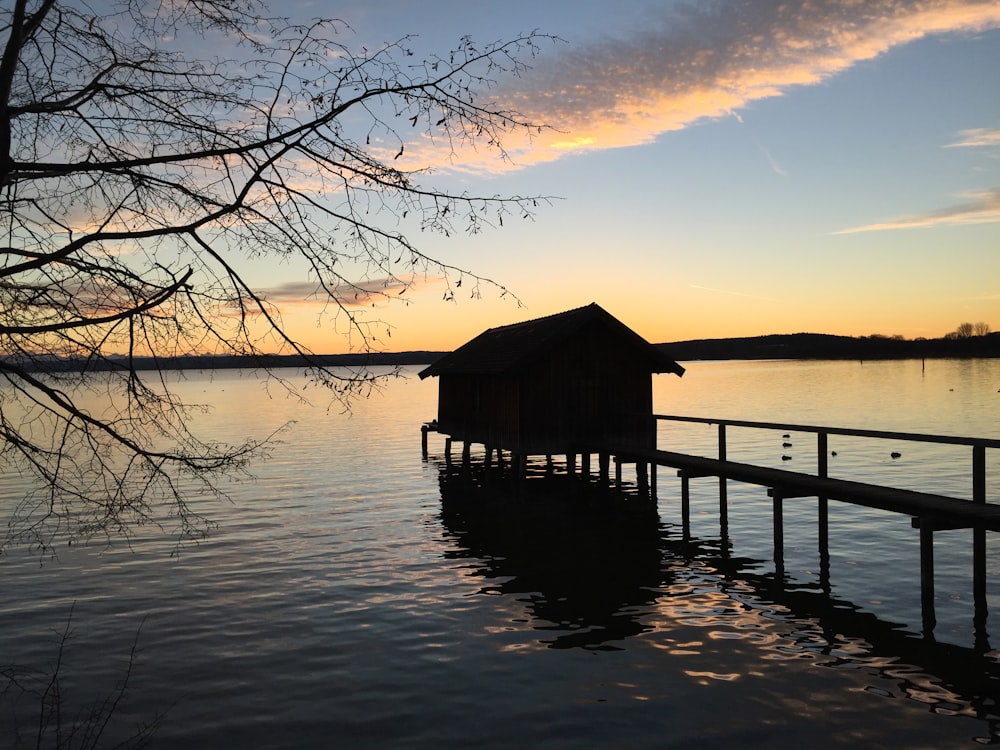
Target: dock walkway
point(939, 511)
point(928, 512)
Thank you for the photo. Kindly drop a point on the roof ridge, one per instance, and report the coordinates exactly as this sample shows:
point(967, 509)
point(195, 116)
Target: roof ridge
point(503, 348)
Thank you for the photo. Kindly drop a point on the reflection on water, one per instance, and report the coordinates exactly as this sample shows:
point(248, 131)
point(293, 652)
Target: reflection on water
point(591, 571)
point(355, 596)
point(584, 570)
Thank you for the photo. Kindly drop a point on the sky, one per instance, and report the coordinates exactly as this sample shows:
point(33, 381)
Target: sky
point(717, 169)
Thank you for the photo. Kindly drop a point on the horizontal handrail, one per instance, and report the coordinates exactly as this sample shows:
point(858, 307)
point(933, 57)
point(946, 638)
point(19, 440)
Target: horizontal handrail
point(910, 436)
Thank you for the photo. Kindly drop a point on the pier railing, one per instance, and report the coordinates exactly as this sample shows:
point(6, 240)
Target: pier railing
point(857, 493)
point(978, 445)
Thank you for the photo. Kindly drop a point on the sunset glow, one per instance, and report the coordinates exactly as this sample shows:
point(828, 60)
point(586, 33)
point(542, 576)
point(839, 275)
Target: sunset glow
point(726, 169)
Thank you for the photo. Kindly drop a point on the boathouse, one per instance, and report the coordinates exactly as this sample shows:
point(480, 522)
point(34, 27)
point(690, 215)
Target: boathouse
point(576, 382)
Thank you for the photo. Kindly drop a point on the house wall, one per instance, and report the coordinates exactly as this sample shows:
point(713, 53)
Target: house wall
point(591, 391)
point(480, 409)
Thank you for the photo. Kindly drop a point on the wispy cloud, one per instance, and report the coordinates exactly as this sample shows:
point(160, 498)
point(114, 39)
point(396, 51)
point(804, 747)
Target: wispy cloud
point(981, 207)
point(976, 138)
point(708, 60)
point(775, 166)
point(347, 294)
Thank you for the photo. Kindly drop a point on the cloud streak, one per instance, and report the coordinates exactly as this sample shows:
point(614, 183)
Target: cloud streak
point(981, 207)
point(977, 138)
point(355, 294)
point(710, 60)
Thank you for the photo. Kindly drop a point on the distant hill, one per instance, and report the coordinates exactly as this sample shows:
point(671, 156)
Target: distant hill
point(775, 346)
point(229, 362)
point(826, 346)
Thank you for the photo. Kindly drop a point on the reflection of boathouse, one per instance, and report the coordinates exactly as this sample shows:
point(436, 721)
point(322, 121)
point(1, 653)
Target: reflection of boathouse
point(575, 382)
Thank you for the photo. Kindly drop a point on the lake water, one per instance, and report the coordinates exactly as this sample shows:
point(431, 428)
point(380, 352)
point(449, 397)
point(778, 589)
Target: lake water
point(355, 596)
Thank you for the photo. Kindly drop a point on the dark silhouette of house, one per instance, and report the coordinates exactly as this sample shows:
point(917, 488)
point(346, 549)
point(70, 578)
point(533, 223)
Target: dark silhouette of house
point(576, 382)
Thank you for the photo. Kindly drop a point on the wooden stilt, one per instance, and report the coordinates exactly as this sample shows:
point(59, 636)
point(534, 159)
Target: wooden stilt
point(779, 534)
point(823, 519)
point(981, 609)
point(604, 461)
point(447, 451)
point(685, 505)
point(642, 477)
point(823, 537)
point(518, 465)
point(424, 429)
point(979, 601)
point(723, 489)
point(927, 577)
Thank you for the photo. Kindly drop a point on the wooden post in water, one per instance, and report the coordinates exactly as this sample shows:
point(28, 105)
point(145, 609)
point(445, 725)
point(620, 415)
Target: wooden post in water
point(447, 451)
point(927, 576)
point(571, 464)
point(779, 535)
point(823, 525)
point(466, 454)
point(424, 429)
point(685, 504)
point(604, 461)
point(723, 493)
point(979, 549)
point(585, 465)
point(518, 465)
point(642, 477)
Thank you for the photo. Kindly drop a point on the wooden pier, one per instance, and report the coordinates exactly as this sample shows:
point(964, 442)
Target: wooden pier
point(929, 512)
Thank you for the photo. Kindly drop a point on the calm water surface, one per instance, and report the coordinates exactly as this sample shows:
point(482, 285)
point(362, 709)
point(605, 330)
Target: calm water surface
point(356, 596)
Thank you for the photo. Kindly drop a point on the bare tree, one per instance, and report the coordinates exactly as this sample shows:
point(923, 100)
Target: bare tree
point(40, 711)
point(137, 181)
point(981, 329)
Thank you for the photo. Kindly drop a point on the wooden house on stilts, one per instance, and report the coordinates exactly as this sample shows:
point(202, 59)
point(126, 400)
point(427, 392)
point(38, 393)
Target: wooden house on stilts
point(575, 383)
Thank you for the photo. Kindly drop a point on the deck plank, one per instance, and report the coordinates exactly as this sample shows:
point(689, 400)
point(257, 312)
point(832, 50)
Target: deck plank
point(935, 510)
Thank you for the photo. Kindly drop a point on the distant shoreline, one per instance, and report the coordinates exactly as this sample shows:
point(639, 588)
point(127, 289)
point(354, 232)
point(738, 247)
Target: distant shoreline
point(774, 346)
point(827, 346)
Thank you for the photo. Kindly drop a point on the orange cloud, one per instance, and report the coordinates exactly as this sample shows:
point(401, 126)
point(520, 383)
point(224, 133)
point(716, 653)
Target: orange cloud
point(706, 61)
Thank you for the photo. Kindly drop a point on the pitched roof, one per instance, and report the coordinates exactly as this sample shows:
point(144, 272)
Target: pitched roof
point(501, 350)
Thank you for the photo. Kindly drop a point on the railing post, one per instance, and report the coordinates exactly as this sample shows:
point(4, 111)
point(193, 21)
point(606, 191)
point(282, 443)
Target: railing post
point(979, 473)
point(723, 491)
point(823, 525)
point(980, 607)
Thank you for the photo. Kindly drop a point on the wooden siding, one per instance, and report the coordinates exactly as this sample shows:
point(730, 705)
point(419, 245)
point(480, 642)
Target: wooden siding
point(589, 390)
